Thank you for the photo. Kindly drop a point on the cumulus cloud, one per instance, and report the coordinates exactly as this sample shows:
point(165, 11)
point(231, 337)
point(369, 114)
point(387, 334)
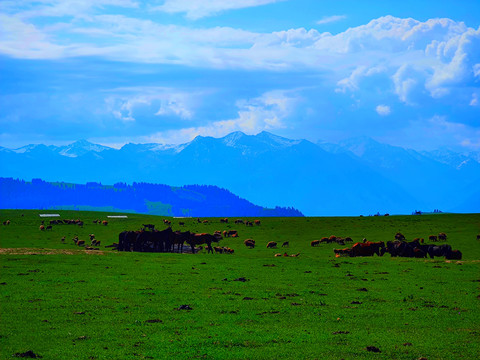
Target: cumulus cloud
point(383, 110)
point(160, 101)
point(474, 101)
point(266, 112)
point(196, 9)
point(331, 19)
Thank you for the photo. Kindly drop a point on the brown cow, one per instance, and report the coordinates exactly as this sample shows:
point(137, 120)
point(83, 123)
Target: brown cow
point(271, 245)
point(368, 248)
point(257, 222)
point(315, 243)
point(342, 252)
point(42, 227)
point(442, 237)
point(250, 243)
point(203, 238)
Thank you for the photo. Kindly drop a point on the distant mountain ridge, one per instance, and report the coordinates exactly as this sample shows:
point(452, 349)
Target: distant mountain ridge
point(154, 199)
point(358, 176)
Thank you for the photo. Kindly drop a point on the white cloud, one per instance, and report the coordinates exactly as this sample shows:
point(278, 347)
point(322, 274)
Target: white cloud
point(474, 101)
point(196, 9)
point(432, 58)
point(353, 82)
point(59, 8)
point(266, 112)
point(383, 110)
point(123, 103)
point(331, 19)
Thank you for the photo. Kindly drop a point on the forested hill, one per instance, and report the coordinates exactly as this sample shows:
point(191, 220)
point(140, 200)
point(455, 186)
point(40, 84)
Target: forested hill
point(154, 199)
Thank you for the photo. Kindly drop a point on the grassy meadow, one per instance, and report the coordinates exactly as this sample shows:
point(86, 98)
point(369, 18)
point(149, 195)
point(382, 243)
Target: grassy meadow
point(63, 302)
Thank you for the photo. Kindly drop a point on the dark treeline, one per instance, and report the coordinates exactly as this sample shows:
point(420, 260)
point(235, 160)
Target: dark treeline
point(155, 199)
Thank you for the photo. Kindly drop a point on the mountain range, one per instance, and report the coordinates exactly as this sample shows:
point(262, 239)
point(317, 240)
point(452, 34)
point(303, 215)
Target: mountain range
point(357, 176)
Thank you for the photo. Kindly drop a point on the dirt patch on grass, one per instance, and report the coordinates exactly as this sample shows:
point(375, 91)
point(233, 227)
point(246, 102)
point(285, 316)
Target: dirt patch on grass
point(37, 251)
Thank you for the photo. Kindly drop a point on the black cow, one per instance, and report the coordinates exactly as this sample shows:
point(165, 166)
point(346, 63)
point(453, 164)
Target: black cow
point(454, 255)
point(441, 250)
point(179, 238)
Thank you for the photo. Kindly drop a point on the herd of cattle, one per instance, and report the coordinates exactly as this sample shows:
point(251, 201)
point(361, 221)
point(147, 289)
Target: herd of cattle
point(164, 240)
point(398, 247)
point(149, 239)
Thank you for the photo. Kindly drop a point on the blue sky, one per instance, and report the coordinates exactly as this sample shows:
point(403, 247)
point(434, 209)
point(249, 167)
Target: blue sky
point(118, 71)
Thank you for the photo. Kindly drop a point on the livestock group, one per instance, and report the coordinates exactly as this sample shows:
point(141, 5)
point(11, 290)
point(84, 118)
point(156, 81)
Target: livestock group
point(400, 247)
point(150, 239)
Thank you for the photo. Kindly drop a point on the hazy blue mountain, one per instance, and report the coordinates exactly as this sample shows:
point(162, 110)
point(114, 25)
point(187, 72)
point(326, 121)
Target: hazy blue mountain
point(155, 199)
point(358, 176)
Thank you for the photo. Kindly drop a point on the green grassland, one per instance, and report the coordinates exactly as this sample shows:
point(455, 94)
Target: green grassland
point(63, 302)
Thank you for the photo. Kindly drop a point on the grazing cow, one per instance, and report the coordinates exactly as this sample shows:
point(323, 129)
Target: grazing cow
point(197, 239)
point(257, 222)
point(331, 239)
point(442, 237)
point(454, 255)
point(271, 245)
point(239, 221)
point(286, 244)
point(205, 221)
point(315, 243)
point(49, 227)
point(368, 248)
point(232, 233)
point(406, 249)
point(228, 250)
point(42, 227)
point(399, 236)
point(218, 249)
point(81, 242)
point(324, 240)
point(432, 238)
point(225, 220)
point(419, 253)
point(342, 252)
point(250, 243)
point(249, 223)
point(349, 239)
point(441, 250)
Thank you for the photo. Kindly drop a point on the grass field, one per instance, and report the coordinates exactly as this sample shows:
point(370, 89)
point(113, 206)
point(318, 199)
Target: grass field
point(62, 302)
